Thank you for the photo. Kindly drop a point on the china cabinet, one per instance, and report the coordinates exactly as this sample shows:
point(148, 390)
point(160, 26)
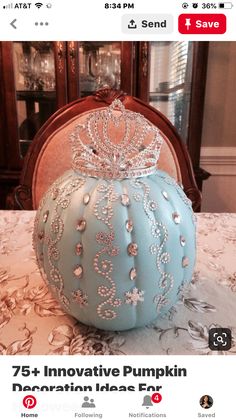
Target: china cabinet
point(38, 78)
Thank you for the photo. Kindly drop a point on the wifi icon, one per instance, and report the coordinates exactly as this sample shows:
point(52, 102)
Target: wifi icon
point(38, 5)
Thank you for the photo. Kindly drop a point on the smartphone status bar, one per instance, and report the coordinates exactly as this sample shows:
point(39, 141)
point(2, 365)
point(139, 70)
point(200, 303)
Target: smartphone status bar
point(129, 20)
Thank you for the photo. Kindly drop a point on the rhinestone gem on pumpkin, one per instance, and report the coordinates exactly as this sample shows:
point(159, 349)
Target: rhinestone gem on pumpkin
point(182, 241)
point(176, 217)
point(133, 274)
point(41, 235)
point(125, 200)
point(86, 199)
point(78, 271)
point(129, 226)
point(45, 216)
point(79, 249)
point(165, 194)
point(81, 225)
point(185, 261)
point(55, 193)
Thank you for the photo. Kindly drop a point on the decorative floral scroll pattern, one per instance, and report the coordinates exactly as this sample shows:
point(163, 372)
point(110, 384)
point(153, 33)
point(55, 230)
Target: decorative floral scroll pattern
point(62, 197)
point(160, 233)
point(103, 265)
point(41, 234)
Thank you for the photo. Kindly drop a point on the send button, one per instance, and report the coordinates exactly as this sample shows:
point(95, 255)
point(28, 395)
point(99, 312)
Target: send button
point(147, 24)
point(158, 24)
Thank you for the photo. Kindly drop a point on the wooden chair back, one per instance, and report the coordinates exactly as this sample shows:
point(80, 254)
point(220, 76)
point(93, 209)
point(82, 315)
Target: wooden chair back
point(49, 155)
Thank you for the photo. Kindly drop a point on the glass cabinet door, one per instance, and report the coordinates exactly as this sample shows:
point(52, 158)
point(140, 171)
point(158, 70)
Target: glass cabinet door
point(35, 85)
point(99, 66)
point(44, 76)
point(170, 81)
point(95, 65)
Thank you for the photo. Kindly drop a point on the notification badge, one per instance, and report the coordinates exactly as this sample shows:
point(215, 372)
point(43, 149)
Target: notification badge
point(29, 402)
point(202, 24)
point(156, 398)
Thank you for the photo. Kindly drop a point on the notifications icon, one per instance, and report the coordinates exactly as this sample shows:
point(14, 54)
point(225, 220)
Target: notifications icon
point(29, 402)
point(147, 401)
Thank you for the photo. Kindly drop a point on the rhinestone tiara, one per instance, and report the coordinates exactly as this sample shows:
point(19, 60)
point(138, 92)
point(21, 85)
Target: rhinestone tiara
point(115, 143)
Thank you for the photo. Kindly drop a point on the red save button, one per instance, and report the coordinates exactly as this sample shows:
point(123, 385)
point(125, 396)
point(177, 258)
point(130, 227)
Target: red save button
point(198, 23)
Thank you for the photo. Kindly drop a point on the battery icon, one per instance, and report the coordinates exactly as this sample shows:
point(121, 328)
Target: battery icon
point(226, 5)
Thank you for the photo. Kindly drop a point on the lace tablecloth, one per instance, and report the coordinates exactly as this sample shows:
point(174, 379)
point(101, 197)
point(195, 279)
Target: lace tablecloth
point(32, 322)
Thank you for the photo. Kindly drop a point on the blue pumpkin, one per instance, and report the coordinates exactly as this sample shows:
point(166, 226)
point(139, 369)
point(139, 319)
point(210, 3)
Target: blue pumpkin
point(115, 252)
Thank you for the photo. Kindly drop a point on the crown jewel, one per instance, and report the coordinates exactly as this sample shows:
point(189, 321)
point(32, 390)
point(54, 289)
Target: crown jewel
point(115, 143)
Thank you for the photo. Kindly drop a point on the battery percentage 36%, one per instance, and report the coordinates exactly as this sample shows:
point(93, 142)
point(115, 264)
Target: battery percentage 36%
point(209, 5)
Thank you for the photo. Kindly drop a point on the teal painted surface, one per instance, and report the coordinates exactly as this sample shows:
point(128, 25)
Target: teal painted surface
point(104, 295)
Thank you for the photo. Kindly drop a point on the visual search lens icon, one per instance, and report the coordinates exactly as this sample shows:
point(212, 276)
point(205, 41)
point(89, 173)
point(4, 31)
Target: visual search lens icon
point(220, 339)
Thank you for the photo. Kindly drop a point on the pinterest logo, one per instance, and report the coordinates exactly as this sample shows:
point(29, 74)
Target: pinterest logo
point(29, 402)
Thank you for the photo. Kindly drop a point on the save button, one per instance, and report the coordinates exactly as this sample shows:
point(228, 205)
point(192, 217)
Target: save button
point(202, 23)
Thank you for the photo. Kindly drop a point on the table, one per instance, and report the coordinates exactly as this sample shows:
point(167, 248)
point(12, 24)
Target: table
point(32, 322)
